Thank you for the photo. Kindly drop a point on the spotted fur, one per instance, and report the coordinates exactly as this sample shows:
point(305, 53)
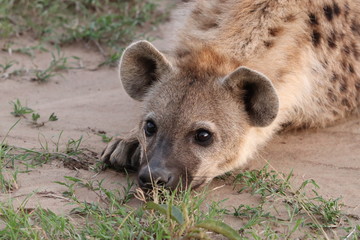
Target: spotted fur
point(309, 51)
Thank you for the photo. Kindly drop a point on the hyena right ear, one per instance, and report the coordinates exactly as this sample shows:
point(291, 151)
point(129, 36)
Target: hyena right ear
point(257, 94)
point(140, 66)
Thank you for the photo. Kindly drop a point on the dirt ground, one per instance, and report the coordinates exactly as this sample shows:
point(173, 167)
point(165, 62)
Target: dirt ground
point(88, 101)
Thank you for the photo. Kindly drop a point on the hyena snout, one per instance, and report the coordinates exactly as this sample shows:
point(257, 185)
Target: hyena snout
point(148, 177)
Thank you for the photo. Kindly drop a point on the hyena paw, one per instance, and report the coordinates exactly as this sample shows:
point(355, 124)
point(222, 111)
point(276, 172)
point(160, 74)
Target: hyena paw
point(122, 153)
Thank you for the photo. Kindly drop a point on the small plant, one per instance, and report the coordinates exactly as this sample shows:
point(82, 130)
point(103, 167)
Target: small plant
point(105, 138)
point(36, 116)
point(263, 182)
point(73, 146)
point(4, 67)
point(53, 117)
point(19, 110)
point(58, 63)
point(29, 51)
point(327, 210)
point(44, 75)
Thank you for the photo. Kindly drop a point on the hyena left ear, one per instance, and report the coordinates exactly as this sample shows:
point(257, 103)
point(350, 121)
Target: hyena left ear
point(140, 67)
point(257, 93)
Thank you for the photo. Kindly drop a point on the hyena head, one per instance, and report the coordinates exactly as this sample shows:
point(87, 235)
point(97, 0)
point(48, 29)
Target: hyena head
point(194, 125)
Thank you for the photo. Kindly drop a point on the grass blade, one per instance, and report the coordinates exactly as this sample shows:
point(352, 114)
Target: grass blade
point(221, 228)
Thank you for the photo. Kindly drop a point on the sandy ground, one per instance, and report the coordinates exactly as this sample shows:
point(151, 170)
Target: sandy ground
point(88, 101)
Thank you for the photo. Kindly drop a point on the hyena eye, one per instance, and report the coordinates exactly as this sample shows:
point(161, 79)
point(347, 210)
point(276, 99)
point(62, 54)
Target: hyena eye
point(203, 137)
point(150, 128)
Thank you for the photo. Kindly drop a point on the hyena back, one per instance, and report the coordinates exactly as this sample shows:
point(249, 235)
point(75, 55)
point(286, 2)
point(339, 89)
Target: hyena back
point(239, 72)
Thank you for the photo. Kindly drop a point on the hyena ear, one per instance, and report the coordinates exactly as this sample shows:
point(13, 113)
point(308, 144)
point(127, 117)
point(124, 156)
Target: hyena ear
point(140, 66)
point(258, 94)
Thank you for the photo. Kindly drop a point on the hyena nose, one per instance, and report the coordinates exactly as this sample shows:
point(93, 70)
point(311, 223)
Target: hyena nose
point(148, 178)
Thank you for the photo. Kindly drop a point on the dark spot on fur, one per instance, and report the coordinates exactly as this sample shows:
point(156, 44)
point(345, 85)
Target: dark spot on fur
point(328, 11)
point(343, 65)
point(332, 96)
point(313, 19)
point(334, 77)
point(351, 68)
point(337, 9)
point(268, 44)
point(315, 38)
point(332, 40)
point(345, 103)
point(355, 50)
point(263, 7)
point(347, 10)
point(209, 25)
point(343, 87)
point(357, 86)
point(196, 11)
point(274, 31)
point(324, 64)
point(286, 124)
point(217, 11)
point(280, 74)
point(346, 50)
point(192, 82)
point(335, 113)
point(290, 18)
point(355, 27)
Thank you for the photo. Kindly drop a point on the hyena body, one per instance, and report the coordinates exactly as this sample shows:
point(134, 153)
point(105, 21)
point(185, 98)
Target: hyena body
point(239, 72)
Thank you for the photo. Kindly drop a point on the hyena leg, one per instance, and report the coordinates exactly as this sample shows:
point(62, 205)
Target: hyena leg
point(123, 153)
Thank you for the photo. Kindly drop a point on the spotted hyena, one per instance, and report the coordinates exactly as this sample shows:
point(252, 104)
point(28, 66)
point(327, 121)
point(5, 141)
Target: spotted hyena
point(240, 71)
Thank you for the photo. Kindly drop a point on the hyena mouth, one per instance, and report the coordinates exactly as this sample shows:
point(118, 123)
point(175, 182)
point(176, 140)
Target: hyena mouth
point(198, 184)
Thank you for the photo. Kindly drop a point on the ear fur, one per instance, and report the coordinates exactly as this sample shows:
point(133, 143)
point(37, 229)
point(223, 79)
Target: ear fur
point(258, 94)
point(140, 66)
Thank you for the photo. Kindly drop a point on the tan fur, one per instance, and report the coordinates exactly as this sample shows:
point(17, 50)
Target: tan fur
point(310, 50)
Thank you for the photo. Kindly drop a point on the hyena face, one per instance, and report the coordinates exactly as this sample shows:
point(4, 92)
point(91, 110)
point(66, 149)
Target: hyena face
point(194, 125)
point(187, 133)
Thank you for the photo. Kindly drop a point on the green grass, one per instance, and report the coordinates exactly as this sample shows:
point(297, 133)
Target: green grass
point(57, 65)
point(307, 213)
point(283, 212)
point(115, 220)
point(108, 25)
